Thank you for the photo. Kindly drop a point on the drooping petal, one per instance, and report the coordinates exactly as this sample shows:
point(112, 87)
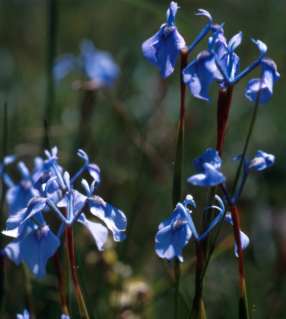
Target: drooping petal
point(244, 240)
point(170, 241)
point(163, 48)
point(210, 177)
point(199, 74)
point(114, 218)
point(98, 231)
point(37, 248)
point(262, 88)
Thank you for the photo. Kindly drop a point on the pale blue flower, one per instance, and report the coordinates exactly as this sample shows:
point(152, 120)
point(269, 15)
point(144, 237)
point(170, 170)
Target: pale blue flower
point(208, 167)
point(163, 48)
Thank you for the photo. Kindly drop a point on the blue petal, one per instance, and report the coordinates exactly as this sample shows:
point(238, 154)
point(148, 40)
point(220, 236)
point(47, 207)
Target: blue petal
point(171, 13)
point(37, 248)
point(210, 177)
point(94, 172)
point(163, 48)
point(25, 315)
point(98, 231)
point(211, 156)
point(199, 74)
point(63, 316)
point(64, 65)
point(13, 251)
point(261, 161)
point(235, 41)
point(98, 65)
point(263, 88)
point(114, 218)
point(244, 240)
point(204, 13)
point(262, 47)
point(169, 242)
point(18, 196)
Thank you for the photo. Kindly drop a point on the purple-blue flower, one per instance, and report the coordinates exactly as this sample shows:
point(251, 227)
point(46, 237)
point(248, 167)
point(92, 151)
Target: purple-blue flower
point(219, 63)
point(163, 48)
point(50, 190)
point(261, 161)
point(263, 87)
point(97, 65)
point(208, 167)
point(175, 232)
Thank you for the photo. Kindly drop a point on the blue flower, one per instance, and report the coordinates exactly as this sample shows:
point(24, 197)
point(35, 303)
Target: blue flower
point(48, 190)
point(175, 232)
point(24, 315)
point(263, 87)
point(163, 48)
point(220, 63)
point(208, 168)
point(98, 66)
point(244, 239)
point(261, 161)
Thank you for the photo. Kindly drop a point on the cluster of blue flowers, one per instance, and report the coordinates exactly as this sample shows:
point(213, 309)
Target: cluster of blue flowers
point(219, 62)
point(175, 232)
point(49, 189)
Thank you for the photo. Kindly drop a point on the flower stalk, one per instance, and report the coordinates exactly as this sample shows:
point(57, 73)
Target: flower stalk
point(61, 284)
point(74, 275)
point(178, 169)
point(223, 109)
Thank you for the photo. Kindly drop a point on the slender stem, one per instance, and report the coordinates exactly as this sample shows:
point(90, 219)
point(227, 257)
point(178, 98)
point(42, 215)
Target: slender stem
point(61, 284)
point(74, 275)
point(246, 144)
point(178, 169)
point(223, 108)
point(243, 302)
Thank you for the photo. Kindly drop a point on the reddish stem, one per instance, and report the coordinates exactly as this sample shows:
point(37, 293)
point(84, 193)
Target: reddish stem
point(73, 267)
point(223, 108)
point(236, 231)
point(61, 284)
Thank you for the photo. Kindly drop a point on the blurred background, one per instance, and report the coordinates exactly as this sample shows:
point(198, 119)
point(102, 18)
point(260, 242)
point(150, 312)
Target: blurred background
point(129, 130)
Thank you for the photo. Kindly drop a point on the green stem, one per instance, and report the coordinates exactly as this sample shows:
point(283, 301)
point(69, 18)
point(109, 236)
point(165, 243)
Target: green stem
point(246, 144)
point(74, 275)
point(178, 169)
